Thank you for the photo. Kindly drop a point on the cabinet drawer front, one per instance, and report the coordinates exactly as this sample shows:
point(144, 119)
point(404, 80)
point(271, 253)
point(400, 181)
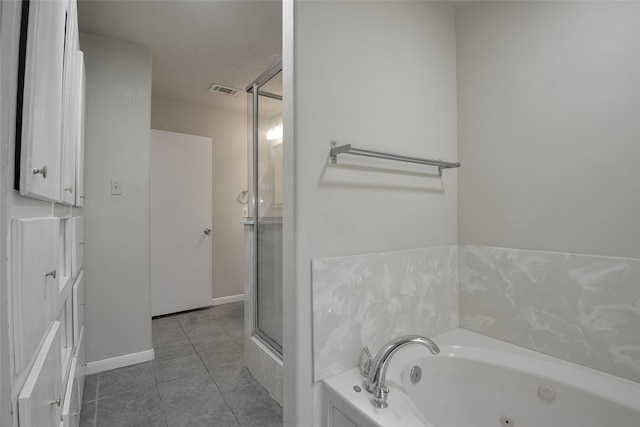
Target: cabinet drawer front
point(35, 283)
point(39, 402)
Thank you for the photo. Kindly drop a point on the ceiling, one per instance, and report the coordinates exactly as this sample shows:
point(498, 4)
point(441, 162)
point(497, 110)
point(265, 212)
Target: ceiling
point(194, 42)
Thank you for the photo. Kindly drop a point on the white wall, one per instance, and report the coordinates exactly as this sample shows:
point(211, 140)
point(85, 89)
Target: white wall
point(549, 124)
point(118, 311)
point(378, 75)
point(228, 129)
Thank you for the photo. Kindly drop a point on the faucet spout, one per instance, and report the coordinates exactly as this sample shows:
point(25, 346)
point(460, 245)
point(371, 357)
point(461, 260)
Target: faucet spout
point(378, 369)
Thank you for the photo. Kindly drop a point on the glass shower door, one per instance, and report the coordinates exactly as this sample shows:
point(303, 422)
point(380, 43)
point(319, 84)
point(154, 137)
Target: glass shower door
point(266, 105)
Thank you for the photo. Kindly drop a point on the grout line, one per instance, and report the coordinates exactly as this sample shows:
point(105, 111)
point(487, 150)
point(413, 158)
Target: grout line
point(95, 412)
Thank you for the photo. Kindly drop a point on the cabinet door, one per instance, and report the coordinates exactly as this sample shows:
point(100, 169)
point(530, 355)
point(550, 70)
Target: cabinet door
point(81, 93)
point(65, 317)
point(41, 133)
point(39, 402)
point(70, 108)
point(80, 355)
point(71, 401)
point(77, 249)
point(78, 307)
point(65, 246)
point(35, 284)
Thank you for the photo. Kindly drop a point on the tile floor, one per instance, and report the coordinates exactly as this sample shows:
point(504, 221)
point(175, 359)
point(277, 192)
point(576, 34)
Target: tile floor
point(198, 378)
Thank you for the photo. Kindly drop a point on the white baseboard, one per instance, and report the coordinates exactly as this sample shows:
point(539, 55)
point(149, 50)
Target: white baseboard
point(119, 362)
point(226, 300)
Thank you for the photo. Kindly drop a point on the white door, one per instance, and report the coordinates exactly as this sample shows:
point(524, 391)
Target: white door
point(181, 205)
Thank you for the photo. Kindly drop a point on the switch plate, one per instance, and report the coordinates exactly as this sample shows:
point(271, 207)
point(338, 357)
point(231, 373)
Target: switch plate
point(116, 187)
point(245, 212)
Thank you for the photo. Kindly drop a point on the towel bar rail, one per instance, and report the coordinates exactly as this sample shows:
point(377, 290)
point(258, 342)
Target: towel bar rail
point(348, 149)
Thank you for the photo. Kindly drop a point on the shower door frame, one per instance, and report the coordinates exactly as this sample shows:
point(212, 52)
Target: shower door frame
point(254, 89)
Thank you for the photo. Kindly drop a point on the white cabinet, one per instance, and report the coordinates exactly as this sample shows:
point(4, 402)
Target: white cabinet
point(65, 246)
point(80, 356)
point(71, 107)
point(77, 249)
point(78, 307)
point(66, 337)
point(46, 254)
point(39, 402)
point(340, 420)
point(81, 102)
point(71, 401)
point(35, 285)
point(51, 134)
point(41, 132)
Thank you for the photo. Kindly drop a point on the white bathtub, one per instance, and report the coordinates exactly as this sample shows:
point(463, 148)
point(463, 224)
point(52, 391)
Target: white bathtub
point(477, 381)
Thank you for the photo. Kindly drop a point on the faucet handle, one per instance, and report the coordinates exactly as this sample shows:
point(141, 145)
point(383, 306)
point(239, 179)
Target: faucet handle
point(365, 362)
point(380, 396)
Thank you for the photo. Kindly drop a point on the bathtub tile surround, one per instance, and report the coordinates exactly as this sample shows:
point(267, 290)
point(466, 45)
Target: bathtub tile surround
point(580, 308)
point(366, 300)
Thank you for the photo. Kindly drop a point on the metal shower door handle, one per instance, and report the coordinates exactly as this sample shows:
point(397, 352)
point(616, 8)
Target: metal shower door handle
point(207, 231)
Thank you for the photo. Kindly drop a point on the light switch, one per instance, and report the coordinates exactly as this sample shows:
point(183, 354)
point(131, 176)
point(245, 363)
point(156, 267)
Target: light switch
point(245, 212)
point(116, 187)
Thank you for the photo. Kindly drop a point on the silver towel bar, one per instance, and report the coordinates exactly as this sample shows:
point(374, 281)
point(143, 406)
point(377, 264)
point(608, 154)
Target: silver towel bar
point(348, 149)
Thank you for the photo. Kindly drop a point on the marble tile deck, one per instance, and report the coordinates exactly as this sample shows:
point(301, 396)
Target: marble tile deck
point(197, 379)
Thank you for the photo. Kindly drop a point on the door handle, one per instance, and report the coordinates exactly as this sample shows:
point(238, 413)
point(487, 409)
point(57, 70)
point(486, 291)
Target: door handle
point(207, 231)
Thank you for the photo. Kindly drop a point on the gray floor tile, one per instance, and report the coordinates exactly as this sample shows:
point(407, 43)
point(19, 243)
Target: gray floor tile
point(231, 310)
point(163, 336)
point(232, 376)
point(177, 388)
point(209, 412)
point(202, 319)
point(177, 392)
point(183, 366)
point(223, 355)
point(235, 328)
point(156, 420)
point(173, 349)
point(90, 388)
point(88, 414)
point(125, 379)
point(253, 406)
point(197, 329)
point(210, 341)
point(189, 316)
point(164, 323)
point(128, 407)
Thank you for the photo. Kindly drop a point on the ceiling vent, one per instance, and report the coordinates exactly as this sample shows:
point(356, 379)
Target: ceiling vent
point(223, 89)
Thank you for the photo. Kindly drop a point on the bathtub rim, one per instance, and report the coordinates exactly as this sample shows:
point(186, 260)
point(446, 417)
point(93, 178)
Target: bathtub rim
point(463, 343)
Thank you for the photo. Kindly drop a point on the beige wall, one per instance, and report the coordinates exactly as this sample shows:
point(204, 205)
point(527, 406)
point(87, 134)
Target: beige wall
point(377, 75)
point(549, 126)
point(228, 129)
point(118, 312)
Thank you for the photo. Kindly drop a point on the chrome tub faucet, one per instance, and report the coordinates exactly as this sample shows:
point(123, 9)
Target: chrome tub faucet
point(376, 370)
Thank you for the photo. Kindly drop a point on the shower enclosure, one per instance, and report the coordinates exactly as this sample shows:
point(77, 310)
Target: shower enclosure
point(265, 173)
